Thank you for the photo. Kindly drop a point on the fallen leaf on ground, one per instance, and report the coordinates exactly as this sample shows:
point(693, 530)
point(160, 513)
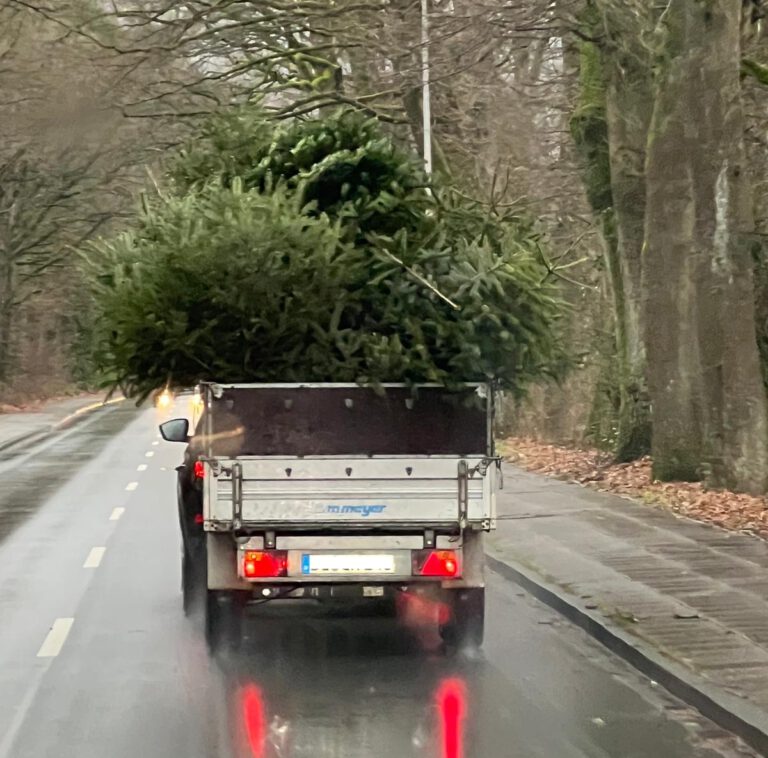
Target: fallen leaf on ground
point(595, 469)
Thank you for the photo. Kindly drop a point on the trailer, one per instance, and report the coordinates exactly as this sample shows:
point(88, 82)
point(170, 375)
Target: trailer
point(341, 492)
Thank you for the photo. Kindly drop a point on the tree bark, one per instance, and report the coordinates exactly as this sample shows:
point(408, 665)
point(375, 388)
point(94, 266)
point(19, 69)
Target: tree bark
point(6, 319)
point(610, 126)
point(628, 113)
point(709, 405)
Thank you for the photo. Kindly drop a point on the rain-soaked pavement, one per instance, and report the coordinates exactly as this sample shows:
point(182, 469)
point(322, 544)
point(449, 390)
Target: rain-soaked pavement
point(123, 674)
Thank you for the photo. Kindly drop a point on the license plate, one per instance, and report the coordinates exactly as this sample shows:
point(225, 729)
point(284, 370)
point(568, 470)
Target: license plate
point(325, 563)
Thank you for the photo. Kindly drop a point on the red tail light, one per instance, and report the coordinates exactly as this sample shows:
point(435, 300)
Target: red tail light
point(199, 470)
point(264, 563)
point(436, 563)
point(199, 518)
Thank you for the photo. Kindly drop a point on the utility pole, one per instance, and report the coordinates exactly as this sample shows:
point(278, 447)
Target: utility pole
point(426, 104)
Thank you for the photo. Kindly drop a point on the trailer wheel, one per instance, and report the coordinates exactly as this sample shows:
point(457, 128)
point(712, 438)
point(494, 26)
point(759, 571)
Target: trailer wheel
point(224, 613)
point(467, 624)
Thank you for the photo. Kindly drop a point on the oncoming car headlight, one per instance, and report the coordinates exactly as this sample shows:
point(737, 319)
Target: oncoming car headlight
point(164, 399)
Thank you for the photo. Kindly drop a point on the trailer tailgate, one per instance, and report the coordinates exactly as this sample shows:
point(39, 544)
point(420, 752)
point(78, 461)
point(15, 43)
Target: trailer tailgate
point(338, 491)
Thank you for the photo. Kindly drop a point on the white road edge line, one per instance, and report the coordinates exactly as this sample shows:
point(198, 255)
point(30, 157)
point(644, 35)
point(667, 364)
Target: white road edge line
point(141, 467)
point(94, 558)
point(149, 453)
point(116, 513)
point(131, 486)
point(56, 638)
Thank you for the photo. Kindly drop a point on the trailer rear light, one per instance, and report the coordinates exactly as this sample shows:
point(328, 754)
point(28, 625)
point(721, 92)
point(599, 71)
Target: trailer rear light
point(264, 563)
point(199, 518)
point(436, 563)
point(199, 470)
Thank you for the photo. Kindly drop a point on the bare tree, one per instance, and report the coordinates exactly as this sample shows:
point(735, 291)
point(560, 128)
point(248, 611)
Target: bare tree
point(70, 164)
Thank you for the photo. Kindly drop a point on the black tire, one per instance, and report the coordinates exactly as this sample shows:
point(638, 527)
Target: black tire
point(190, 583)
point(224, 613)
point(193, 577)
point(467, 625)
point(187, 583)
point(212, 620)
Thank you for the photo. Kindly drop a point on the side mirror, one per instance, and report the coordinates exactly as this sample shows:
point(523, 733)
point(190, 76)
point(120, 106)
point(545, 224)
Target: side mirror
point(175, 430)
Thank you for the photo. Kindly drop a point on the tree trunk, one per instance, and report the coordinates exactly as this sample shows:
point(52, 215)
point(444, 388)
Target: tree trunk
point(6, 320)
point(610, 127)
point(669, 307)
point(709, 404)
point(406, 37)
point(628, 114)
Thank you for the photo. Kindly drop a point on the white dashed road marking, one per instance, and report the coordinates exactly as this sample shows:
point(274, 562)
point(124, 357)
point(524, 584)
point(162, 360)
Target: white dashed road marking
point(131, 486)
point(116, 513)
point(141, 467)
point(149, 453)
point(156, 442)
point(55, 639)
point(94, 558)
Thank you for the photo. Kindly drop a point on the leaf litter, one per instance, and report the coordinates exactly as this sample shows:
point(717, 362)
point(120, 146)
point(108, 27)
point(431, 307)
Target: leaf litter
point(595, 469)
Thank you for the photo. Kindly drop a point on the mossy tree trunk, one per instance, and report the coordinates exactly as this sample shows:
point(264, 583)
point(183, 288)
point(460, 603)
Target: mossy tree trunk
point(7, 295)
point(609, 127)
point(628, 99)
point(709, 405)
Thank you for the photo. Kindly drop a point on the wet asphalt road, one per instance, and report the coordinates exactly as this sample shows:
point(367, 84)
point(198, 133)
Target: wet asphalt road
point(98, 661)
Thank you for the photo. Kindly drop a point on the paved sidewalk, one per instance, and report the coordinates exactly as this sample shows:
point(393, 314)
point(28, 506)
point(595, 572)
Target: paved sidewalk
point(693, 593)
point(19, 427)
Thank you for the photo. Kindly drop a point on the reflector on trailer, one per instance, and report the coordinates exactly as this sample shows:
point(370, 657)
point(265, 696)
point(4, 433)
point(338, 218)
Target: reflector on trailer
point(436, 563)
point(264, 563)
point(199, 469)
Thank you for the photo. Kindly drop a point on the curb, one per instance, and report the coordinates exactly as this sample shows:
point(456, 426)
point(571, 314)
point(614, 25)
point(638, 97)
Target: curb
point(72, 417)
point(729, 712)
point(29, 438)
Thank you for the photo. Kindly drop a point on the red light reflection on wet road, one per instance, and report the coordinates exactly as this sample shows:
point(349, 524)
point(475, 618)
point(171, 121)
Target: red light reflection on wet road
point(451, 699)
point(252, 703)
point(418, 610)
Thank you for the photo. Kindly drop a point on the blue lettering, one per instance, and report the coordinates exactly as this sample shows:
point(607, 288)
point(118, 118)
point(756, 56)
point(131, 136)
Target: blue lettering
point(362, 510)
